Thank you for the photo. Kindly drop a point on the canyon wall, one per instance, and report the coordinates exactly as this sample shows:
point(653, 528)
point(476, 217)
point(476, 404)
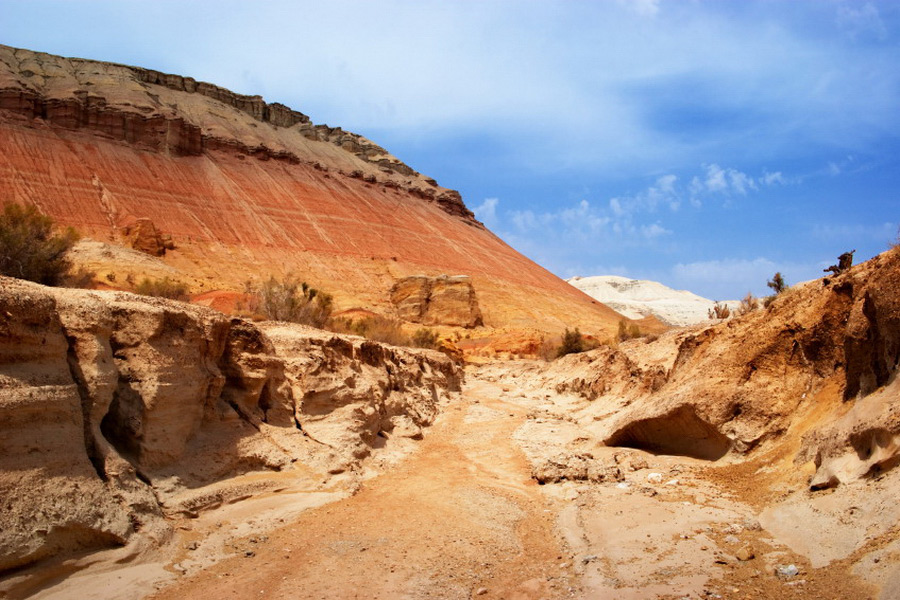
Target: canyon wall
point(242, 189)
point(117, 411)
point(807, 385)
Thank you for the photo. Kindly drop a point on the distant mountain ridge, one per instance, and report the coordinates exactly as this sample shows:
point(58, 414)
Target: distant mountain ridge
point(638, 298)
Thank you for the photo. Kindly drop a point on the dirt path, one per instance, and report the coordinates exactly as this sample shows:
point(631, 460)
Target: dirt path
point(461, 518)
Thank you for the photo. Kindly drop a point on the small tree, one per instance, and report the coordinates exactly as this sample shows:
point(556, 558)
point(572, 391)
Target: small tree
point(777, 283)
point(572, 343)
point(29, 249)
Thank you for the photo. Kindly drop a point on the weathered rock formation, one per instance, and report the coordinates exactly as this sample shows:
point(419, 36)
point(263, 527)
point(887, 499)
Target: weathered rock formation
point(437, 301)
point(818, 367)
point(117, 410)
point(248, 189)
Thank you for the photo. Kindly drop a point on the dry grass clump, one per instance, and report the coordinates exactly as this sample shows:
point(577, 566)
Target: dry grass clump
point(719, 310)
point(387, 331)
point(628, 332)
point(163, 288)
point(289, 300)
point(749, 304)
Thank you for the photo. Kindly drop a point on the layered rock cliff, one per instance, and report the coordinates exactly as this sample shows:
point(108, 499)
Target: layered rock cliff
point(236, 188)
point(118, 411)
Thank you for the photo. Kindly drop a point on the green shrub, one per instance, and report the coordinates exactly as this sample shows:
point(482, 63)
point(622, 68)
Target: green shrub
point(29, 248)
point(777, 284)
point(572, 343)
point(290, 300)
point(163, 288)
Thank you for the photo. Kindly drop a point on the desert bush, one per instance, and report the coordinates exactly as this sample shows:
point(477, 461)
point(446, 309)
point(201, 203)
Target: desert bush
point(777, 283)
point(628, 332)
point(572, 343)
point(163, 288)
point(78, 277)
point(719, 310)
point(290, 300)
point(748, 305)
point(29, 248)
point(547, 349)
point(425, 338)
point(381, 329)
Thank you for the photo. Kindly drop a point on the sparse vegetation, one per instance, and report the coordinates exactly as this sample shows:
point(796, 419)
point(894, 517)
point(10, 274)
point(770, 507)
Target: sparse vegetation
point(290, 300)
point(163, 288)
point(425, 338)
point(29, 248)
point(547, 350)
point(572, 343)
point(777, 283)
point(719, 310)
point(628, 332)
point(845, 261)
point(748, 305)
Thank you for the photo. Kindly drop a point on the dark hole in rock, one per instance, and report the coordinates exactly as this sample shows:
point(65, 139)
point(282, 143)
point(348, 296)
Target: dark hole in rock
point(680, 433)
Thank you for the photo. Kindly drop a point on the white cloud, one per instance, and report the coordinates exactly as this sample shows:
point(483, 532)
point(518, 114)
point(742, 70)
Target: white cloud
point(724, 182)
point(524, 220)
point(773, 178)
point(662, 192)
point(486, 212)
point(850, 234)
point(715, 277)
point(860, 20)
point(653, 231)
point(645, 8)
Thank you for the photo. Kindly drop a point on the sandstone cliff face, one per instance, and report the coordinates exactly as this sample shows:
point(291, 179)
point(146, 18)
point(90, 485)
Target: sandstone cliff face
point(247, 189)
point(437, 301)
point(118, 410)
point(815, 372)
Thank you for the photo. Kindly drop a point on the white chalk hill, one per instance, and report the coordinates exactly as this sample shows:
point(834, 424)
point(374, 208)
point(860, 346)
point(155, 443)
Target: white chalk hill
point(635, 298)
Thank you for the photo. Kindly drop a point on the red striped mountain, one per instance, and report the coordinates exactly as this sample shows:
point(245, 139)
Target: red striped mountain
point(243, 189)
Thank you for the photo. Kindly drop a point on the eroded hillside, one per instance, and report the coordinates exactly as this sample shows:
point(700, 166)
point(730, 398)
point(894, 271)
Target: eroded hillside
point(749, 458)
point(232, 188)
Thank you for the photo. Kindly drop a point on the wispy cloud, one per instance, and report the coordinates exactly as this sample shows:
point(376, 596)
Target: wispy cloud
point(645, 8)
point(720, 277)
point(859, 20)
point(486, 212)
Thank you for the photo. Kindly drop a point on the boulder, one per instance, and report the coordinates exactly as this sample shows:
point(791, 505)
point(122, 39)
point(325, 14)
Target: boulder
point(442, 300)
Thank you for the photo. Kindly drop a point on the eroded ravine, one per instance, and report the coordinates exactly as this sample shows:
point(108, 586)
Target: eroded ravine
point(461, 516)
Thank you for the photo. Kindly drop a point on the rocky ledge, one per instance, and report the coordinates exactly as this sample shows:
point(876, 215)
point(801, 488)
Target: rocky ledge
point(118, 411)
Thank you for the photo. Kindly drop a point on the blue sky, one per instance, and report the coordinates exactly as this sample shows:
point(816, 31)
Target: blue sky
point(703, 144)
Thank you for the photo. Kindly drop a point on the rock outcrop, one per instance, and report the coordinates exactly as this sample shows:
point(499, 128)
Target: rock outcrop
point(247, 189)
point(818, 367)
point(117, 410)
point(437, 301)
